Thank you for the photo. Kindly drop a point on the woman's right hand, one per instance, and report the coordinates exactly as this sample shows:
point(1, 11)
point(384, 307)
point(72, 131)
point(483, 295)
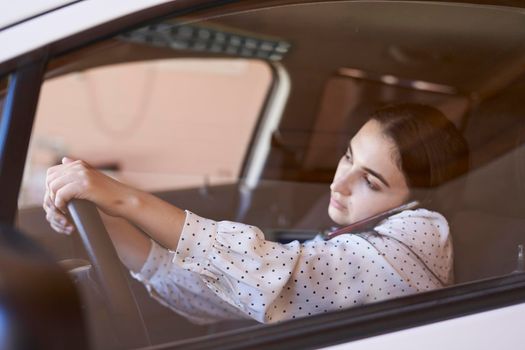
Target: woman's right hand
point(77, 179)
point(59, 221)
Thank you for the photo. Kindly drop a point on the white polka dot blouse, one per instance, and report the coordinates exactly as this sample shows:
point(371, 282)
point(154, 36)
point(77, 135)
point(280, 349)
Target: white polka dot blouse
point(227, 270)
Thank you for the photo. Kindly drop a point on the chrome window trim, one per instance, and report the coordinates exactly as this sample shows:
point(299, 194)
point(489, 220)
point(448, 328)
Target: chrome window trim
point(270, 119)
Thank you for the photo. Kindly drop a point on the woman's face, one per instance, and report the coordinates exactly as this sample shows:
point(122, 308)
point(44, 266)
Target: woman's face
point(368, 180)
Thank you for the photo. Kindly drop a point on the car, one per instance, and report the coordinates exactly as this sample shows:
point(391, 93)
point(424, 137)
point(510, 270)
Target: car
point(239, 110)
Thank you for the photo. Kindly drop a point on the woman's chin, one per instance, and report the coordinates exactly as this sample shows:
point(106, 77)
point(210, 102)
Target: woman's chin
point(338, 217)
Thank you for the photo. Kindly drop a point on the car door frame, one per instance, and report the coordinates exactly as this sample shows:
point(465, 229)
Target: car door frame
point(320, 330)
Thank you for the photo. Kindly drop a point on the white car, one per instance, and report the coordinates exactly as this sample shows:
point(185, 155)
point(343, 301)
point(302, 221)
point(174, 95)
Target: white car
point(240, 110)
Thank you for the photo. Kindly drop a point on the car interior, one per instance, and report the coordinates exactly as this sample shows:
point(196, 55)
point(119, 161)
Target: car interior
point(343, 60)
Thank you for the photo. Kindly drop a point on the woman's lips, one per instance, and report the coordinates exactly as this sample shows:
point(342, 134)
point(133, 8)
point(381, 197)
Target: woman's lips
point(337, 205)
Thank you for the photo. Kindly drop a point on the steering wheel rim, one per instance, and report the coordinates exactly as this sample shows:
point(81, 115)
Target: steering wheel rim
point(124, 311)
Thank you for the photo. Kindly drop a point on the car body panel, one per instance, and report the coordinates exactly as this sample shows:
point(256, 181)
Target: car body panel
point(64, 22)
point(15, 12)
point(441, 318)
point(500, 328)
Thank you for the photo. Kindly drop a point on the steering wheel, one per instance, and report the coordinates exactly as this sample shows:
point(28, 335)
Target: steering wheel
point(124, 311)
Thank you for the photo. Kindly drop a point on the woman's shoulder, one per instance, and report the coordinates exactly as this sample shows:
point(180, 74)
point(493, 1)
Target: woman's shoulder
point(423, 233)
point(421, 214)
point(417, 222)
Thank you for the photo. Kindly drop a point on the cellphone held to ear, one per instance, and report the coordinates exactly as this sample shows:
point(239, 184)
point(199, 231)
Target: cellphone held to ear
point(369, 222)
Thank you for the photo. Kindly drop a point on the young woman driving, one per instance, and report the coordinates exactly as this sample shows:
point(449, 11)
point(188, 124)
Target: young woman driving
point(208, 270)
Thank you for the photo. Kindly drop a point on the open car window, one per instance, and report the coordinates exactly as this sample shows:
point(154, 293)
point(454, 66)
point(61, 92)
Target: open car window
point(243, 116)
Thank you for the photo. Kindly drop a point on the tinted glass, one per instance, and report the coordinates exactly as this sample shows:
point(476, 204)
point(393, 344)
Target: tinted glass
point(299, 82)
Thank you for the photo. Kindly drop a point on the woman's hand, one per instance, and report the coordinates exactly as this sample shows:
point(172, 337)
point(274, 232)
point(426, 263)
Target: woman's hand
point(160, 220)
point(77, 179)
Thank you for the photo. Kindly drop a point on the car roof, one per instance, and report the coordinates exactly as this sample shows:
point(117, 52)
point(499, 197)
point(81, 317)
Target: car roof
point(26, 29)
point(16, 12)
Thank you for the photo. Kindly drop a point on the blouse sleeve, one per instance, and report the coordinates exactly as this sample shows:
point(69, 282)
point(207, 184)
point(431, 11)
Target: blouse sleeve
point(181, 290)
point(269, 281)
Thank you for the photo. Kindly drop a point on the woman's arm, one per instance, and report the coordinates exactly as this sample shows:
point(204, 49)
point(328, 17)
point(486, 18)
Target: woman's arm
point(132, 245)
point(161, 220)
point(76, 179)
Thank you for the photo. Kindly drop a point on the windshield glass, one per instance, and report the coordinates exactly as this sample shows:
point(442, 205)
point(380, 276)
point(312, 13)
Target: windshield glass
point(329, 156)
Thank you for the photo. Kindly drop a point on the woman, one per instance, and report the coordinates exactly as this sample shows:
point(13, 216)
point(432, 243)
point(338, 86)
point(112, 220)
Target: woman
point(209, 271)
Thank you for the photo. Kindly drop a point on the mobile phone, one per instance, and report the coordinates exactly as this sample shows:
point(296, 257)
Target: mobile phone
point(371, 221)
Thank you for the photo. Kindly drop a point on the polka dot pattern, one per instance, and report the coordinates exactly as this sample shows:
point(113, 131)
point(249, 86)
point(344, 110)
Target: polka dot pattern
point(226, 270)
point(181, 290)
point(418, 243)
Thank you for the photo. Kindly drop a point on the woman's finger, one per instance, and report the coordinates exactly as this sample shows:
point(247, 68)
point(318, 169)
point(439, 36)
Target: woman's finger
point(58, 220)
point(65, 194)
point(67, 160)
point(55, 228)
point(52, 174)
point(71, 171)
point(64, 230)
point(60, 169)
point(57, 217)
point(49, 217)
point(61, 181)
point(48, 203)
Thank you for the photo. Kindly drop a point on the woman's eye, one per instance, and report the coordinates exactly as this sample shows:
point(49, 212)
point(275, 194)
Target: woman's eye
point(370, 184)
point(348, 157)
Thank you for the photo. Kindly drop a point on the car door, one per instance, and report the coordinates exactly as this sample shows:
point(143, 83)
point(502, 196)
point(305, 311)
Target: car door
point(438, 53)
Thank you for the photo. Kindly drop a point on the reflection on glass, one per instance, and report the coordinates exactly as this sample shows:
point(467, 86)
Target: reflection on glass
point(257, 259)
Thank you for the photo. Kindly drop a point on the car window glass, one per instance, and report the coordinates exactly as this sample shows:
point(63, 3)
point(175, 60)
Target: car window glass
point(166, 106)
point(209, 83)
point(162, 125)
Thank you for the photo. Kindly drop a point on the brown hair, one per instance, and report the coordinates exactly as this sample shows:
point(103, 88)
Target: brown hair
point(431, 150)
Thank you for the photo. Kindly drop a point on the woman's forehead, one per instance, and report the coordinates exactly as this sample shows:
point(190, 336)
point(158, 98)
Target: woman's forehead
point(372, 149)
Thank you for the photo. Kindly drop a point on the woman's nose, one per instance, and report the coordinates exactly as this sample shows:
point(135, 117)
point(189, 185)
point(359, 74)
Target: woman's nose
point(343, 183)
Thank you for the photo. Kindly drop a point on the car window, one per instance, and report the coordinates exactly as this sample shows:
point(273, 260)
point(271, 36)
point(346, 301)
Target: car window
point(175, 123)
point(184, 106)
point(168, 105)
